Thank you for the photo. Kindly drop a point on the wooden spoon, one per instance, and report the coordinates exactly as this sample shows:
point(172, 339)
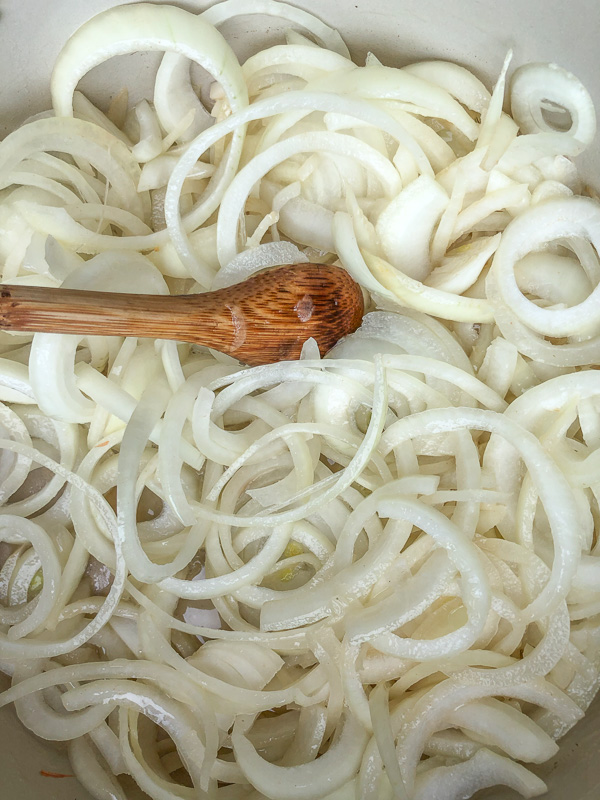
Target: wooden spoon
point(266, 318)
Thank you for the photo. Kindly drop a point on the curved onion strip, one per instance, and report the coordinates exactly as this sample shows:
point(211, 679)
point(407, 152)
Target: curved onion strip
point(576, 217)
point(142, 26)
point(456, 80)
point(425, 298)
point(326, 36)
point(312, 101)
point(81, 139)
point(538, 87)
point(553, 489)
point(40, 649)
point(330, 771)
point(235, 197)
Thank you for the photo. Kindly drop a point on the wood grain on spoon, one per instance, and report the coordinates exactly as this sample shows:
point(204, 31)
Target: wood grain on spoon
point(266, 318)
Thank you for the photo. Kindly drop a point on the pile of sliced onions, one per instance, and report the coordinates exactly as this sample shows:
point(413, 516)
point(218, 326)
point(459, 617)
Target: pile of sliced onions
point(367, 576)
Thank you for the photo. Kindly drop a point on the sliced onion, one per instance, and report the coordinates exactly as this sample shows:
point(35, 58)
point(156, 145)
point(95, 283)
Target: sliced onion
point(538, 87)
point(541, 225)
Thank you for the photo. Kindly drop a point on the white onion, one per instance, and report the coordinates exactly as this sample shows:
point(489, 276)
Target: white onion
point(538, 86)
point(576, 217)
point(371, 574)
point(418, 207)
point(330, 771)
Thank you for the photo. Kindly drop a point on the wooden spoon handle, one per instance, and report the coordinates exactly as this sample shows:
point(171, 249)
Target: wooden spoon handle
point(264, 319)
point(33, 308)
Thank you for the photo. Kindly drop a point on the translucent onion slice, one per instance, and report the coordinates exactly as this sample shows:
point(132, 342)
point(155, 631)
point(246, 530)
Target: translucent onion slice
point(138, 27)
point(235, 197)
point(325, 35)
point(406, 225)
point(552, 487)
point(330, 771)
point(539, 88)
point(542, 225)
point(483, 770)
point(458, 81)
point(80, 139)
point(419, 296)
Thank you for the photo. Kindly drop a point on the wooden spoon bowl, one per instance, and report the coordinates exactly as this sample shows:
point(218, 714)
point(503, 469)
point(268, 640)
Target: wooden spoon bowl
point(264, 319)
